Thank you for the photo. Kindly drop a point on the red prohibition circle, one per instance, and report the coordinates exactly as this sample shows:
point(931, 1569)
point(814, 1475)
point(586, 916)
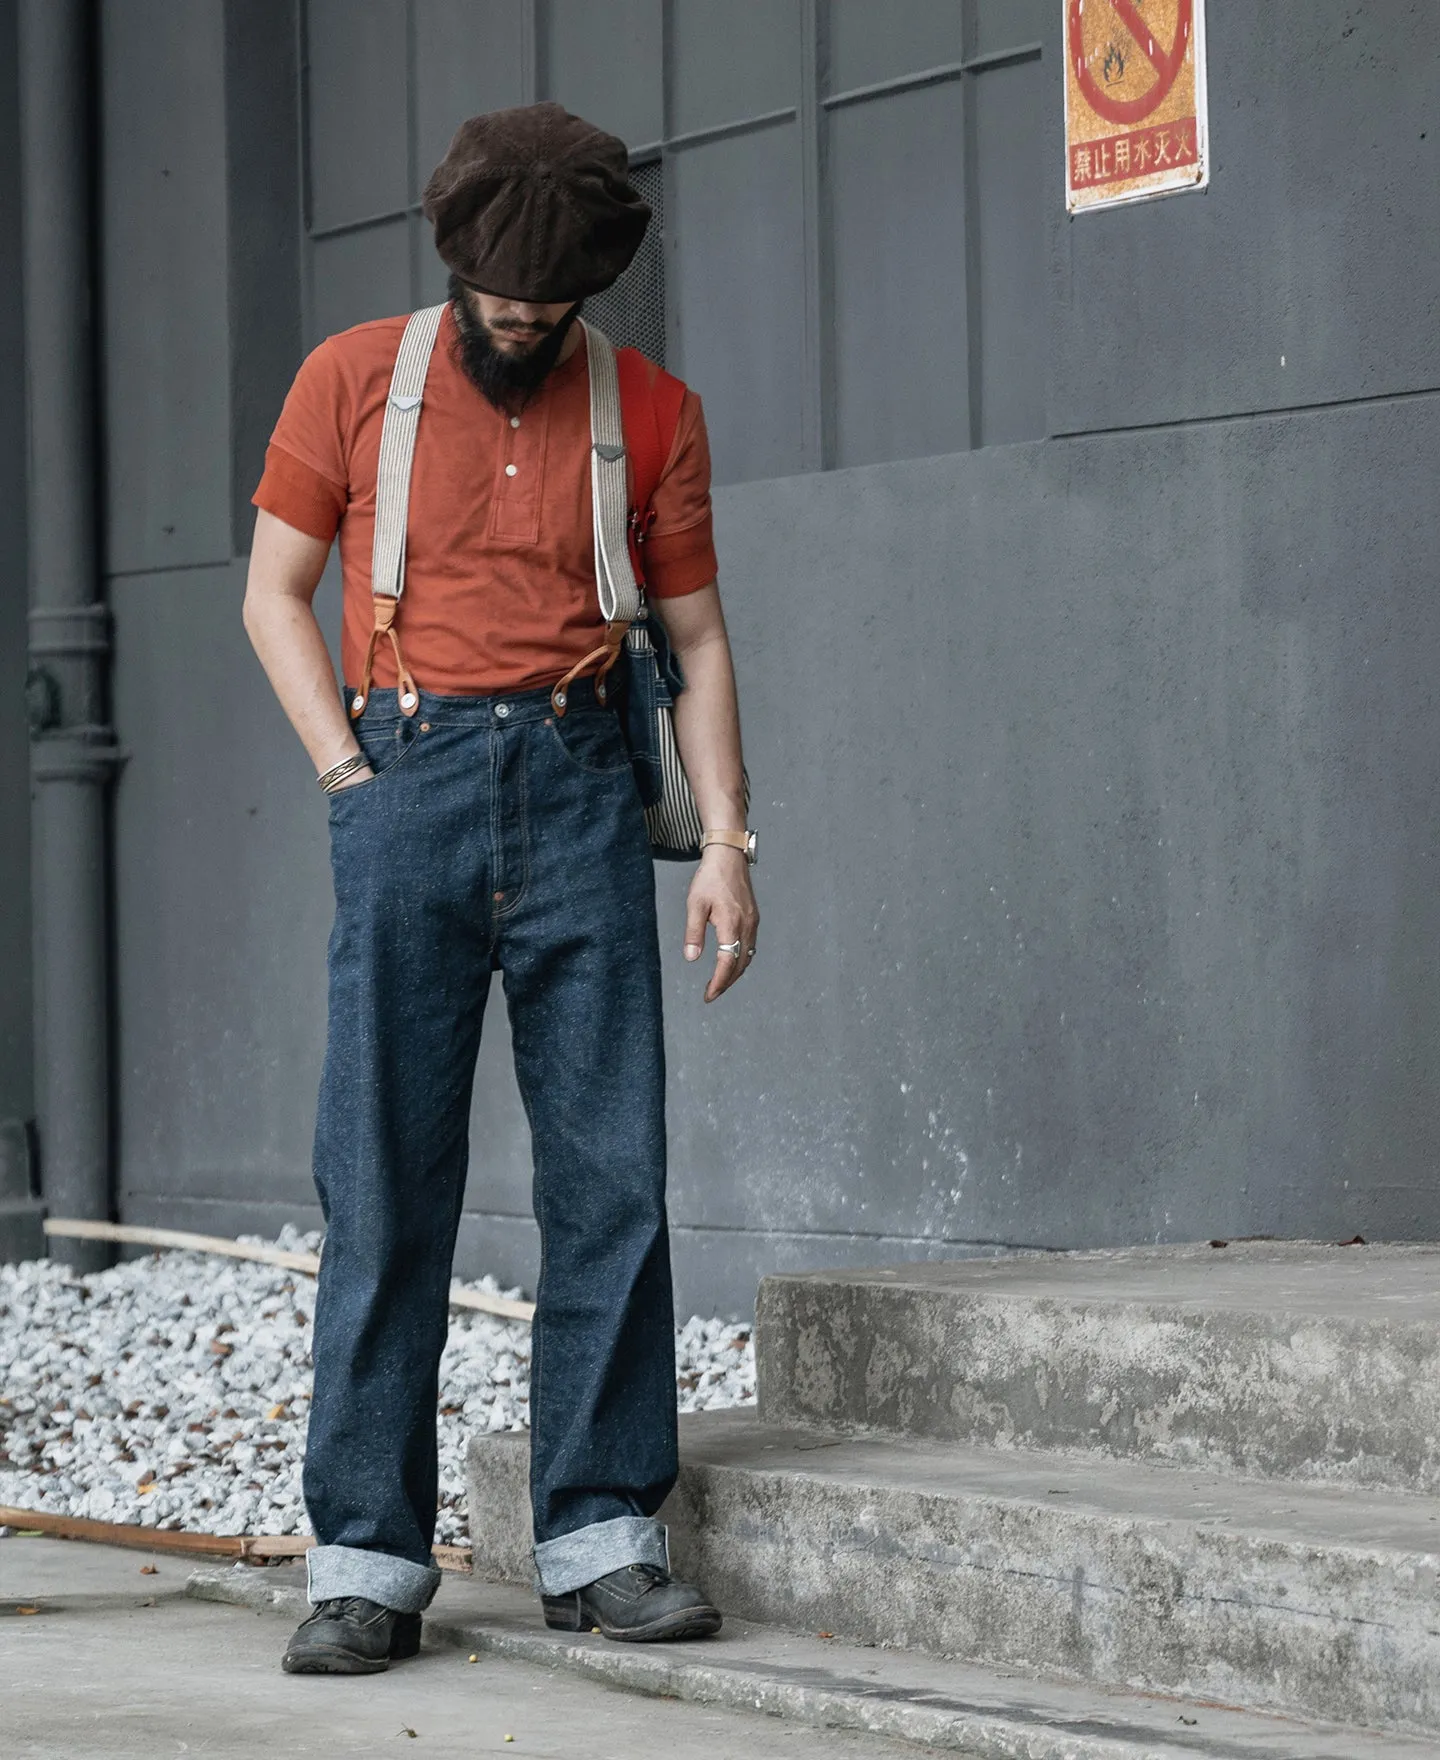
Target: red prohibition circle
point(1167, 66)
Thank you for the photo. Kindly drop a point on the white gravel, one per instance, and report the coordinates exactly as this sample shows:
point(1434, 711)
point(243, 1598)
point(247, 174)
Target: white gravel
point(174, 1391)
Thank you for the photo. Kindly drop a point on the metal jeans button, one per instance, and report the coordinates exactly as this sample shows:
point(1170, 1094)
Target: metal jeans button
point(502, 710)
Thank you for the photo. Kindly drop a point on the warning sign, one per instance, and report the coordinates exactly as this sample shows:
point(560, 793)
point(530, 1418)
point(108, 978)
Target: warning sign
point(1135, 114)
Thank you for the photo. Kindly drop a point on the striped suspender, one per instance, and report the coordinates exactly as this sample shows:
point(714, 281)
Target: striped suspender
point(392, 497)
point(610, 498)
point(610, 485)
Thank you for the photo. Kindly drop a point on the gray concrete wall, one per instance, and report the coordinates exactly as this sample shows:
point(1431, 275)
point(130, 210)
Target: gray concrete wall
point(1096, 775)
point(16, 1078)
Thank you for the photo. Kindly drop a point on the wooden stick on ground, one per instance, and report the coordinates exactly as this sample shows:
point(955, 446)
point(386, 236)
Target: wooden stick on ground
point(241, 1546)
point(309, 1263)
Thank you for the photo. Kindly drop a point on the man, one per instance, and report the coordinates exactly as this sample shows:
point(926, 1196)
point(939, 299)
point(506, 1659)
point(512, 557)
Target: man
point(473, 828)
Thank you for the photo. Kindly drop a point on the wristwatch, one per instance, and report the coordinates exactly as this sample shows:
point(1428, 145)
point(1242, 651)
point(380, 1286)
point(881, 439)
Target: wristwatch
point(744, 841)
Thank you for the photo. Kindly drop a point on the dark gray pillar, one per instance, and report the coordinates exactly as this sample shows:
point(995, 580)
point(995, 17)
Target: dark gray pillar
point(20, 1236)
point(73, 752)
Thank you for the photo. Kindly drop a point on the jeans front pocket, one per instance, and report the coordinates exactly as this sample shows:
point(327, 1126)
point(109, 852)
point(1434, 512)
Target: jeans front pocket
point(591, 740)
point(386, 745)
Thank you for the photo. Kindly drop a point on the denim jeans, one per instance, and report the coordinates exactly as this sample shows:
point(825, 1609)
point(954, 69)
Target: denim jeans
point(493, 837)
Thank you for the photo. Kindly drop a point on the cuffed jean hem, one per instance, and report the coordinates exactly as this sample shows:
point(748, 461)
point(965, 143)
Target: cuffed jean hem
point(336, 1571)
point(576, 1559)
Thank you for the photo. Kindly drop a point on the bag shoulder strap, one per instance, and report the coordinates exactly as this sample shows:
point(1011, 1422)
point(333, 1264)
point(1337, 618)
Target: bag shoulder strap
point(392, 497)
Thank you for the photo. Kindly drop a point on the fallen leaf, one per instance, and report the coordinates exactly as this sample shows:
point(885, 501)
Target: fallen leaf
point(276, 1412)
point(145, 1489)
point(27, 1610)
point(825, 1634)
point(149, 1570)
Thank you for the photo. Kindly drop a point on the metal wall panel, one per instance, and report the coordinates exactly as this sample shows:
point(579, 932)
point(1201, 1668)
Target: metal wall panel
point(997, 25)
point(356, 276)
point(262, 148)
point(430, 274)
point(164, 334)
point(897, 211)
point(1011, 318)
point(16, 1077)
point(870, 43)
point(468, 59)
point(604, 63)
point(737, 309)
point(730, 59)
point(358, 86)
point(1307, 272)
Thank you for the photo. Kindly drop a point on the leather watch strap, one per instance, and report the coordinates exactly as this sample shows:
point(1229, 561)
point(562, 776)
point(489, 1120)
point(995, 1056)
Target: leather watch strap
point(731, 839)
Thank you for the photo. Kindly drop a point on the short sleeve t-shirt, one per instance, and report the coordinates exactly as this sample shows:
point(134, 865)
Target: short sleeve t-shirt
point(499, 561)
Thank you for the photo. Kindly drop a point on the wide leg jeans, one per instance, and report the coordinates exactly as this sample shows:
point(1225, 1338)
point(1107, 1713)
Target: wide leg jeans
point(495, 835)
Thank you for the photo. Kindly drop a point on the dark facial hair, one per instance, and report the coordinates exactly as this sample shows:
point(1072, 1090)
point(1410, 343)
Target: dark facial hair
point(508, 381)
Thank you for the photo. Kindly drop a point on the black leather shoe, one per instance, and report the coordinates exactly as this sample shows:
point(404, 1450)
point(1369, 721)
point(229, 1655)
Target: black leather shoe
point(640, 1604)
point(351, 1635)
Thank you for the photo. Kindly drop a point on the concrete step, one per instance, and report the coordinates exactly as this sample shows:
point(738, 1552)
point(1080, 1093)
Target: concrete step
point(1276, 1361)
point(941, 1706)
point(1312, 1601)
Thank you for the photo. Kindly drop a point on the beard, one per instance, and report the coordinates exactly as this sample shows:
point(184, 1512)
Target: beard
point(507, 381)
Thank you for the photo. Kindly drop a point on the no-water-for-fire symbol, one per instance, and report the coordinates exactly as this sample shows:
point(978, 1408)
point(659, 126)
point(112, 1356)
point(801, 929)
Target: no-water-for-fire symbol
point(1134, 99)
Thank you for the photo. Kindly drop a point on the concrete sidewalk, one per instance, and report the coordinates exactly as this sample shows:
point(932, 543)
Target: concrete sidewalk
point(117, 1665)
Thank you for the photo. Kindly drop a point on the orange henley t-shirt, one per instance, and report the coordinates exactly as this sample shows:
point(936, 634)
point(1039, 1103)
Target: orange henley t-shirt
point(500, 549)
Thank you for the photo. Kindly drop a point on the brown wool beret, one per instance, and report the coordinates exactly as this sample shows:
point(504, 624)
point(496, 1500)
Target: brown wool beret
point(535, 204)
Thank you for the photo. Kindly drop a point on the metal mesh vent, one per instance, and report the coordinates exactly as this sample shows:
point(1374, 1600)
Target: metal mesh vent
point(632, 312)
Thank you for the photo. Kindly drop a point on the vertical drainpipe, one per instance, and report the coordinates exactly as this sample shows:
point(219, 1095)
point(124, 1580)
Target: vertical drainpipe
point(73, 756)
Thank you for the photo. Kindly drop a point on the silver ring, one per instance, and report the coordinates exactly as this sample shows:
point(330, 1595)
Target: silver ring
point(730, 947)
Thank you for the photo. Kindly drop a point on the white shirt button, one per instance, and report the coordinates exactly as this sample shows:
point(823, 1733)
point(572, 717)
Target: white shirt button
point(510, 470)
point(514, 421)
